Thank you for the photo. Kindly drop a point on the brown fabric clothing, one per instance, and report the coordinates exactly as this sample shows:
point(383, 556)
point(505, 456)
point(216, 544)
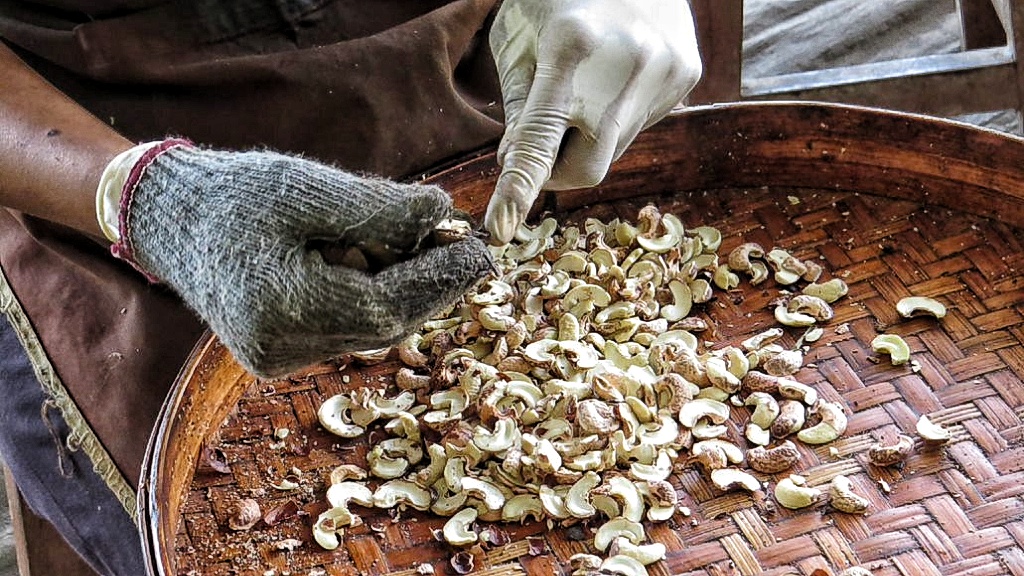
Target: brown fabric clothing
point(389, 87)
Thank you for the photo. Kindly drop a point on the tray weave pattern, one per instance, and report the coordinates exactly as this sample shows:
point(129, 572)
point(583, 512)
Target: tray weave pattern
point(955, 510)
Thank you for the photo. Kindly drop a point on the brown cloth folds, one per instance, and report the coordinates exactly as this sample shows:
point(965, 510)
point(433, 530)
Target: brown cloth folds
point(390, 87)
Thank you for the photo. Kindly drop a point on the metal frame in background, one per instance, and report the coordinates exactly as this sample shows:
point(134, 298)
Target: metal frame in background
point(985, 77)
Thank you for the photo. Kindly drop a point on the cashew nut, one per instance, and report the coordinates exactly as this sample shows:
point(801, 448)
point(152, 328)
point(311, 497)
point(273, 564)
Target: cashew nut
point(766, 408)
point(843, 498)
point(792, 493)
point(645, 554)
point(618, 528)
point(894, 346)
point(932, 433)
point(813, 306)
point(577, 501)
point(790, 419)
point(739, 258)
point(623, 565)
point(401, 492)
point(773, 460)
point(891, 454)
point(832, 425)
point(457, 530)
point(829, 291)
point(726, 479)
point(910, 306)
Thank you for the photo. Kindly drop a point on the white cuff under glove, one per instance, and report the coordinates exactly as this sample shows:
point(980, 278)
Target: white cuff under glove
point(580, 79)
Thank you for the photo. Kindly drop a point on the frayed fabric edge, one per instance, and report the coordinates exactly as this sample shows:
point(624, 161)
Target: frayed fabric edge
point(82, 435)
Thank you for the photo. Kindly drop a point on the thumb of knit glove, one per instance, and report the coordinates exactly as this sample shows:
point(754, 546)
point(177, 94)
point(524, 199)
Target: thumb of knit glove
point(580, 79)
point(230, 233)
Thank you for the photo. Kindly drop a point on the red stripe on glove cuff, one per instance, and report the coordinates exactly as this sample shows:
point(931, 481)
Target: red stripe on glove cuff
point(123, 248)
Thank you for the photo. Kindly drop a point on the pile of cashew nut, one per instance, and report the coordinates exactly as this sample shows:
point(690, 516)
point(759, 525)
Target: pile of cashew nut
point(571, 386)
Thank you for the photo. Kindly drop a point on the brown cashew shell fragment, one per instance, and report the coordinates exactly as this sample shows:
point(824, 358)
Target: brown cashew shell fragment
point(773, 460)
point(244, 514)
point(791, 418)
point(739, 258)
point(891, 454)
point(673, 386)
point(757, 381)
point(462, 562)
point(843, 498)
point(281, 512)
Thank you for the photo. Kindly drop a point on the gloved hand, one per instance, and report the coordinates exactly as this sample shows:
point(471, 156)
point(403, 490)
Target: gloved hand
point(580, 79)
point(230, 232)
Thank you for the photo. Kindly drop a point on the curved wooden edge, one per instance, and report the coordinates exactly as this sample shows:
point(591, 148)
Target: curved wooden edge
point(750, 144)
point(205, 392)
point(797, 144)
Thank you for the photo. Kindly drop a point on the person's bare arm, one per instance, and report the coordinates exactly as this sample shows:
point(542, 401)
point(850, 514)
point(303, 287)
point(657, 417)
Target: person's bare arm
point(52, 151)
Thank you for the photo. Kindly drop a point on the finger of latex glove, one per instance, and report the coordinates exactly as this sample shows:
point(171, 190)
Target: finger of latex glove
point(580, 79)
point(231, 233)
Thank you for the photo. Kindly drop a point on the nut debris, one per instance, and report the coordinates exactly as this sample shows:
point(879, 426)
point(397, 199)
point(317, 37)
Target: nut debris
point(569, 386)
point(244, 514)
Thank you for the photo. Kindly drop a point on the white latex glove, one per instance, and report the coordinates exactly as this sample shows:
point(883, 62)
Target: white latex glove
point(580, 79)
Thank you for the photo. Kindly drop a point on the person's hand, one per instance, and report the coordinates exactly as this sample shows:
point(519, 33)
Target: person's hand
point(231, 232)
point(580, 79)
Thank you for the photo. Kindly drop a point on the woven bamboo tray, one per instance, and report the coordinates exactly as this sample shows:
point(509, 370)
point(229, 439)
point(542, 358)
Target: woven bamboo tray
point(895, 205)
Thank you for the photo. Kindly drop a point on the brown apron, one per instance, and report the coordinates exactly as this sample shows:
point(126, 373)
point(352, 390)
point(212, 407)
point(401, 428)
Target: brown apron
point(389, 87)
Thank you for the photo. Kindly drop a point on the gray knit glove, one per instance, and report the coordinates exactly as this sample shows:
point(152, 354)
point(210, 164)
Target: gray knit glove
point(231, 233)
